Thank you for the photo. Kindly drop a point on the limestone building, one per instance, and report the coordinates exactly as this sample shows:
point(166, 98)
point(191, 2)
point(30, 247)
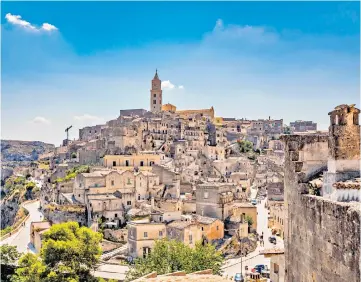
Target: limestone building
point(156, 94)
point(142, 237)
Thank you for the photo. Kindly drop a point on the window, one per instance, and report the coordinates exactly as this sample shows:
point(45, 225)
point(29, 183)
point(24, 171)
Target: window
point(205, 195)
point(160, 233)
point(129, 203)
point(217, 227)
point(154, 95)
point(141, 163)
point(145, 234)
point(126, 163)
point(190, 239)
point(79, 195)
point(275, 268)
point(112, 182)
point(128, 181)
point(154, 102)
point(138, 197)
point(114, 163)
point(202, 228)
point(116, 215)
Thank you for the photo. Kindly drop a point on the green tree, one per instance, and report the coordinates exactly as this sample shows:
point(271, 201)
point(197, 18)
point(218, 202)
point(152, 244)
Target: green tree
point(170, 256)
point(8, 254)
point(30, 185)
point(286, 130)
point(68, 253)
point(245, 146)
point(249, 220)
point(30, 269)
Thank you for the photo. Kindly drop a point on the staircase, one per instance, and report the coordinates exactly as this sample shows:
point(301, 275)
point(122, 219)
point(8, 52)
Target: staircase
point(114, 252)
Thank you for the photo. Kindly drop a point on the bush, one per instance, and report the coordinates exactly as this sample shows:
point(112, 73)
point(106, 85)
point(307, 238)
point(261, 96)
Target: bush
point(68, 253)
point(170, 256)
point(30, 185)
point(5, 231)
point(245, 146)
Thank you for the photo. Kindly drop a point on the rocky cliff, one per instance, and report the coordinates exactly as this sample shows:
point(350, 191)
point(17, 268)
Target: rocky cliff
point(15, 153)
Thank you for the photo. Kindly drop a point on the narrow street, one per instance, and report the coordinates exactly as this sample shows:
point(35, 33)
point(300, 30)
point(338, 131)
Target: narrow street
point(21, 239)
point(233, 266)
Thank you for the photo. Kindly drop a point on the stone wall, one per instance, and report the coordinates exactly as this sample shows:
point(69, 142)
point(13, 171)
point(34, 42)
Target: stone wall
point(64, 213)
point(322, 237)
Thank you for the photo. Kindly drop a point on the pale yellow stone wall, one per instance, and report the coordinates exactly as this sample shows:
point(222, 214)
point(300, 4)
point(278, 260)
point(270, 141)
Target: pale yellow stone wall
point(143, 235)
point(204, 112)
point(169, 108)
point(140, 160)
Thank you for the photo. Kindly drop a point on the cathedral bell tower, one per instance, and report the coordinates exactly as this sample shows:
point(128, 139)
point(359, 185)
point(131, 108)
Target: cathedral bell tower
point(156, 94)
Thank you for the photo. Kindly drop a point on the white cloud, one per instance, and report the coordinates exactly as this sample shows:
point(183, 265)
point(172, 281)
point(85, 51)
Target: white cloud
point(86, 118)
point(246, 33)
point(17, 20)
point(40, 120)
point(167, 85)
point(48, 27)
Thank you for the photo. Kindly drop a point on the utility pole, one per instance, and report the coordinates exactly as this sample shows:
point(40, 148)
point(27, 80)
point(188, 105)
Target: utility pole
point(241, 244)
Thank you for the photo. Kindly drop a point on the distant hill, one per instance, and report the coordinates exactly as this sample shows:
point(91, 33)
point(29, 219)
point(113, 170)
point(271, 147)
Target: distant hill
point(15, 151)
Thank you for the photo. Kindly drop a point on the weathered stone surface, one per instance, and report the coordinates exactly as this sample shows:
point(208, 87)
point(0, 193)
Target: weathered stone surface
point(322, 237)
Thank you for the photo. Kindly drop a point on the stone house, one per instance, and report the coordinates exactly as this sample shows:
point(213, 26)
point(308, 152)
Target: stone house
point(214, 199)
point(277, 256)
point(236, 225)
point(217, 152)
point(90, 132)
point(187, 232)
point(141, 161)
point(142, 237)
point(244, 210)
point(109, 207)
point(212, 228)
point(276, 218)
point(36, 231)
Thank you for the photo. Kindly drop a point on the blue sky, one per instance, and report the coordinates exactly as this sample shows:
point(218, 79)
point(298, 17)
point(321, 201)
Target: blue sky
point(79, 63)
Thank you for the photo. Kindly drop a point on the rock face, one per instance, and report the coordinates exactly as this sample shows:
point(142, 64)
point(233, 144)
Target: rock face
point(322, 237)
point(13, 151)
point(6, 172)
point(9, 209)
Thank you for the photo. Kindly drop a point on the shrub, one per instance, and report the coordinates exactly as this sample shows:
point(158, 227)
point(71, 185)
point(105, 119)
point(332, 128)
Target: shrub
point(5, 231)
